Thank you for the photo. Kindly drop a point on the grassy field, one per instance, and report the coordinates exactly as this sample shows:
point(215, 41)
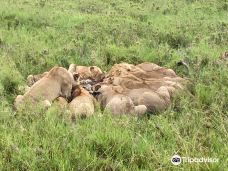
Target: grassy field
point(37, 35)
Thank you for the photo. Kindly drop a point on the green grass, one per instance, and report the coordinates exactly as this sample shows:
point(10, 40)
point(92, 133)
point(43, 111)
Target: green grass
point(37, 35)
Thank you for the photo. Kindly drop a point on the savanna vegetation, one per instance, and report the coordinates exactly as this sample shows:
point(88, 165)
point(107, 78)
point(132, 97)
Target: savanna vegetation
point(37, 35)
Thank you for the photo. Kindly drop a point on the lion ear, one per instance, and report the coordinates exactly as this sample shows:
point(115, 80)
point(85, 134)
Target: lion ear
point(72, 68)
point(76, 76)
point(97, 87)
point(76, 91)
point(91, 68)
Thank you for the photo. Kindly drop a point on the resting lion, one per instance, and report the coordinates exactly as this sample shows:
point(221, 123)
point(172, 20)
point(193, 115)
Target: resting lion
point(121, 104)
point(145, 84)
point(111, 99)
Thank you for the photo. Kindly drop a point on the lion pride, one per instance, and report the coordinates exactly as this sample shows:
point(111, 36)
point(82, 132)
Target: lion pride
point(145, 84)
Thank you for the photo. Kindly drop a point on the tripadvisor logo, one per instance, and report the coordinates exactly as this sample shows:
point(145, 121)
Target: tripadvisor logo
point(176, 160)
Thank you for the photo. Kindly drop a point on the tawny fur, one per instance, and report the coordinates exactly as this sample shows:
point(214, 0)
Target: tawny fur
point(120, 104)
point(61, 102)
point(58, 82)
point(153, 100)
point(31, 79)
point(145, 75)
point(146, 84)
point(83, 104)
point(112, 99)
point(91, 72)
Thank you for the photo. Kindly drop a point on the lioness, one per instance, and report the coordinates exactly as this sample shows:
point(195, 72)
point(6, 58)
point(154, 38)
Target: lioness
point(58, 82)
point(92, 72)
point(112, 98)
point(83, 103)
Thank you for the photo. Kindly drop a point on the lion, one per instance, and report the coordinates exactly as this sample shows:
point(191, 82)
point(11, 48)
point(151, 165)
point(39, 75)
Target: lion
point(153, 68)
point(129, 82)
point(141, 71)
point(145, 84)
point(91, 72)
point(111, 98)
point(58, 82)
point(61, 102)
point(145, 75)
point(83, 103)
point(120, 69)
point(105, 92)
point(140, 110)
point(121, 104)
point(155, 101)
point(31, 79)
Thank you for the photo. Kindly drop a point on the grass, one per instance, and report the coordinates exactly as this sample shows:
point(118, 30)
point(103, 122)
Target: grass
point(37, 35)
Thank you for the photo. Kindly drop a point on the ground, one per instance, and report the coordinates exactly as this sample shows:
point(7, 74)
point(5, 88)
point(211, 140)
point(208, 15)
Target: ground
point(37, 35)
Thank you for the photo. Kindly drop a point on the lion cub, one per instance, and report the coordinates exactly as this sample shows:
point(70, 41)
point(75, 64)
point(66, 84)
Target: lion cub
point(83, 103)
